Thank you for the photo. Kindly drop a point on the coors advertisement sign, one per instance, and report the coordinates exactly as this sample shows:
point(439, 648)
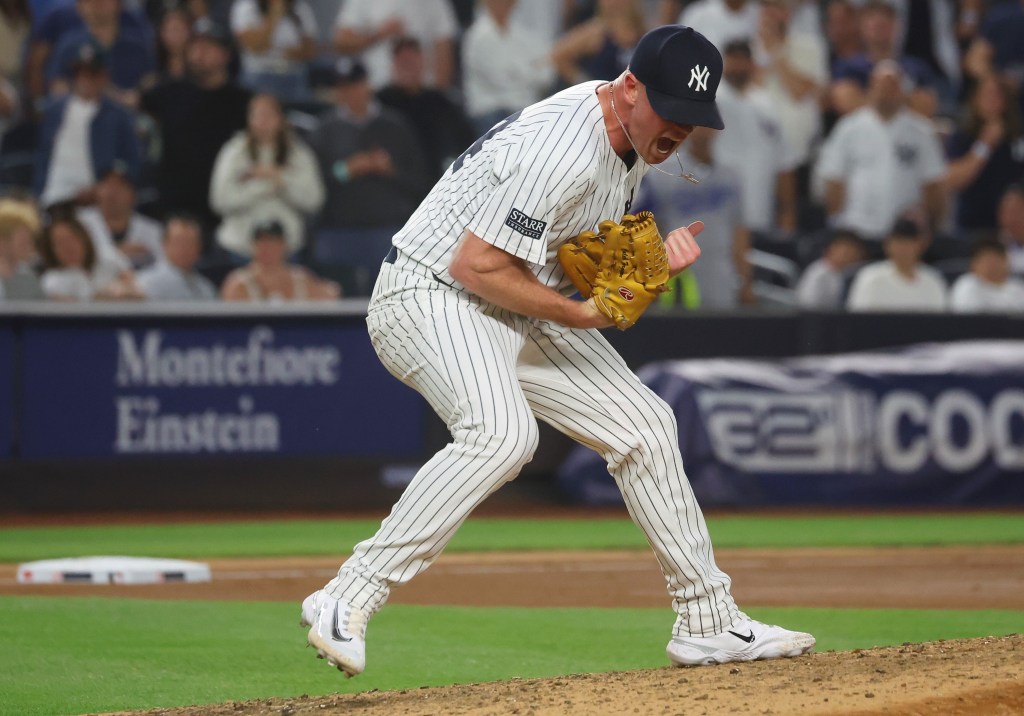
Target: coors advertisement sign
point(934, 424)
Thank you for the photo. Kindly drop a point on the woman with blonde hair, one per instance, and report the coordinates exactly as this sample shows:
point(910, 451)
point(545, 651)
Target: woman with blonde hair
point(264, 171)
point(19, 226)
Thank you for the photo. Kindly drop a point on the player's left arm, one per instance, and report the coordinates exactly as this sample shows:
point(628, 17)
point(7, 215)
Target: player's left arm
point(506, 280)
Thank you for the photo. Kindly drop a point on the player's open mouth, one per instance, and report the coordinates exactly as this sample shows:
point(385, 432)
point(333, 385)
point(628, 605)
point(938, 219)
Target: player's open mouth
point(666, 145)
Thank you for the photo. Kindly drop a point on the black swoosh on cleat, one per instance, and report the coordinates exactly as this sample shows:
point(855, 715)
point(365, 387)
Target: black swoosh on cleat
point(335, 632)
point(744, 637)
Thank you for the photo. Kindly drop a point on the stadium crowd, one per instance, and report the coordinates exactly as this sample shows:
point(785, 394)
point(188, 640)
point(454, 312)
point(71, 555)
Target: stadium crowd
point(266, 150)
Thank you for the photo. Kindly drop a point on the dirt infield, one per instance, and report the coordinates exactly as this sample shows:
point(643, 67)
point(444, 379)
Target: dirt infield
point(952, 678)
point(980, 676)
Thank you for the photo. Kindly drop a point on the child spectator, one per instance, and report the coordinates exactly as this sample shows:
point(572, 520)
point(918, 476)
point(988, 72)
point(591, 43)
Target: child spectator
point(822, 286)
point(988, 286)
point(901, 283)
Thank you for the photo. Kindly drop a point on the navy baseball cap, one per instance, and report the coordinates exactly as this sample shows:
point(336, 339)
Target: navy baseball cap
point(681, 70)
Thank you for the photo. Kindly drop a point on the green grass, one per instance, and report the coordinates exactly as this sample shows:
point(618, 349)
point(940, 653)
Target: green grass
point(73, 655)
point(336, 537)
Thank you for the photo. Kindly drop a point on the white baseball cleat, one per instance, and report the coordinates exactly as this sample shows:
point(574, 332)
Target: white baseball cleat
point(337, 631)
point(746, 640)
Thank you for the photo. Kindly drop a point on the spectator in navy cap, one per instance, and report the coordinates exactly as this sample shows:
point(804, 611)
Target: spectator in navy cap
point(83, 134)
point(374, 174)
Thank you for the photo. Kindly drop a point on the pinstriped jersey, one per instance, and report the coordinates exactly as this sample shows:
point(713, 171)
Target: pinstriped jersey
point(536, 179)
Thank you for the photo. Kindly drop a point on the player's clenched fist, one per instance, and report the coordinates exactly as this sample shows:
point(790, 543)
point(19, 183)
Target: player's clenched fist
point(681, 247)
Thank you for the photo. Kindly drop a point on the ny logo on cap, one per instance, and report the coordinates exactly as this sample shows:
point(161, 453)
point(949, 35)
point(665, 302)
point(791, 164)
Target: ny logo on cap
point(701, 75)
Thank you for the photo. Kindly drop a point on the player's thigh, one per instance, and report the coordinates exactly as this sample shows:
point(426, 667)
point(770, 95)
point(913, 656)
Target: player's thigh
point(575, 381)
point(459, 357)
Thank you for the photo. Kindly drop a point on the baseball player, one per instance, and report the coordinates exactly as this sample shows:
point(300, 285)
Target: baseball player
point(473, 309)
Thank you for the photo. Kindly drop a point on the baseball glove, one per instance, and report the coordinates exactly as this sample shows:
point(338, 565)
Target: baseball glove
point(623, 268)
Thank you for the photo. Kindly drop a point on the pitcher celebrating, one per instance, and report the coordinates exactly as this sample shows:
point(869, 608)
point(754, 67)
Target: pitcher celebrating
point(473, 309)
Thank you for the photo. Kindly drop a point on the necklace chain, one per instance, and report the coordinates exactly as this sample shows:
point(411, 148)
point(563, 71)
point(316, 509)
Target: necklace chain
point(683, 174)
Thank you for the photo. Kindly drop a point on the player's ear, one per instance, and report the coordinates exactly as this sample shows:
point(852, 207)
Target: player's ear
point(630, 87)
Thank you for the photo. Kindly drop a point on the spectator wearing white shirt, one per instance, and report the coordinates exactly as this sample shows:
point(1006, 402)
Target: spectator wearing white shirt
point(793, 71)
point(277, 39)
point(880, 161)
point(752, 146)
point(504, 67)
point(822, 285)
point(174, 277)
point(368, 28)
point(902, 282)
point(115, 226)
point(1011, 226)
point(722, 21)
point(988, 287)
point(263, 172)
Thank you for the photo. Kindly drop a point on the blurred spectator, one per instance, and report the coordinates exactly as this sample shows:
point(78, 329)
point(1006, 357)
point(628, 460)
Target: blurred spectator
point(106, 17)
point(173, 277)
point(544, 20)
point(880, 31)
point(986, 154)
point(130, 62)
point(115, 226)
point(504, 68)
point(442, 127)
point(74, 272)
point(723, 275)
point(600, 48)
point(196, 116)
point(842, 32)
point(278, 38)
point(15, 23)
point(172, 44)
point(753, 147)
point(792, 69)
point(823, 284)
point(373, 170)
point(1003, 28)
point(83, 135)
point(929, 36)
point(19, 225)
point(270, 278)
point(988, 287)
point(368, 28)
point(1011, 226)
point(880, 161)
point(722, 21)
point(265, 171)
point(901, 283)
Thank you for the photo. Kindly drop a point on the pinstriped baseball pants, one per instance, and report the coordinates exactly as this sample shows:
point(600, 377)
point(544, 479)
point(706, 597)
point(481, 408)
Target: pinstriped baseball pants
point(490, 374)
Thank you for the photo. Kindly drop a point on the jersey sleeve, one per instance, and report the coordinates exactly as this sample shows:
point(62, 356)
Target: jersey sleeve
point(518, 214)
point(933, 159)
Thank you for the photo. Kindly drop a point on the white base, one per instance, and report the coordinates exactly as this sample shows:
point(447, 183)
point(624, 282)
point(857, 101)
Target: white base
point(112, 570)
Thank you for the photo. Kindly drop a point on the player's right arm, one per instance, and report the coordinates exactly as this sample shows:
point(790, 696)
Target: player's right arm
point(505, 280)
